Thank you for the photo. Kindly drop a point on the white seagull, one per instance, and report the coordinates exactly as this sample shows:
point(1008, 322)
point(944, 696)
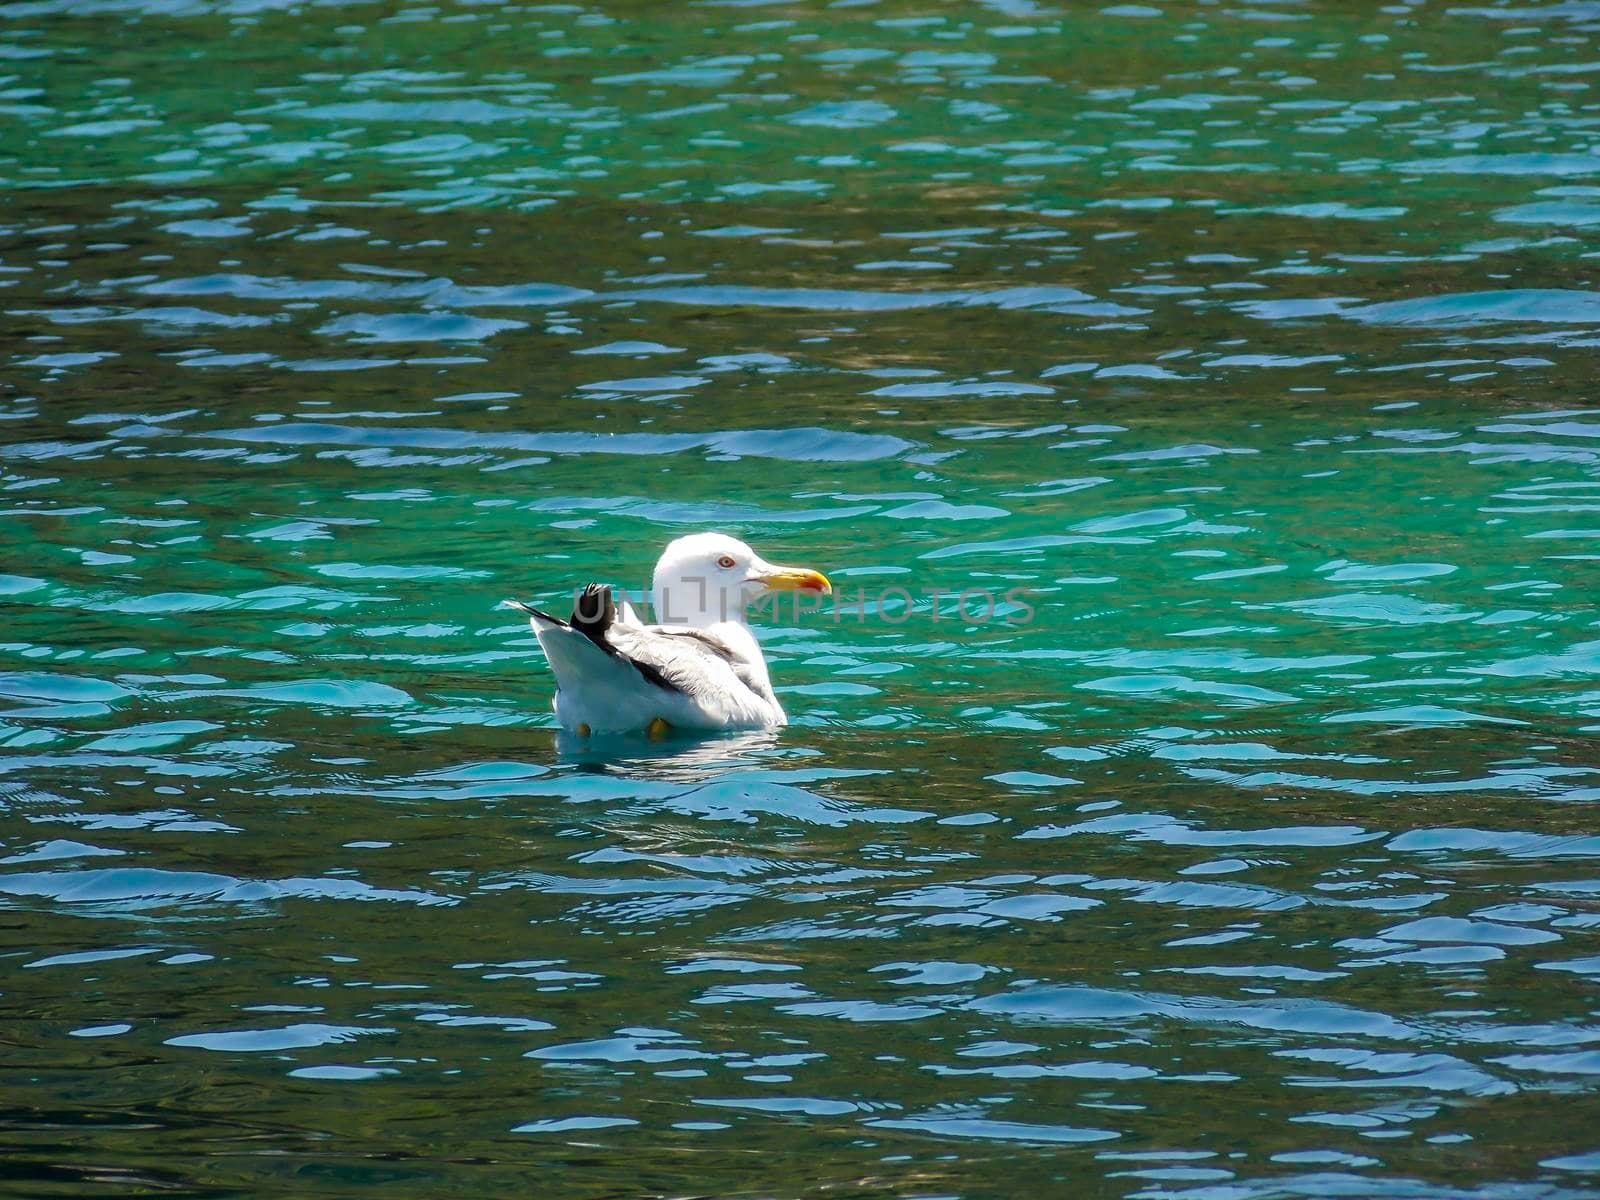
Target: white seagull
point(699, 669)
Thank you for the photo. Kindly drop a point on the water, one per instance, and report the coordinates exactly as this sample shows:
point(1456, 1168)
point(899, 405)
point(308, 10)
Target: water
point(1255, 345)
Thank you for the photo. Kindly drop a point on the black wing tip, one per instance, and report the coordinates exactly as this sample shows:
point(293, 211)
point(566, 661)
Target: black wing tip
point(532, 611)
point(594, 610)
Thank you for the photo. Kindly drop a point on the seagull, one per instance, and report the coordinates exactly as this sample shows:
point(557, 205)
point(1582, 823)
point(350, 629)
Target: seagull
point(699, 669)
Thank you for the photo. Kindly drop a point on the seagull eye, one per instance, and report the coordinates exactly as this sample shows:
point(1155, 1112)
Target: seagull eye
point(726, 562)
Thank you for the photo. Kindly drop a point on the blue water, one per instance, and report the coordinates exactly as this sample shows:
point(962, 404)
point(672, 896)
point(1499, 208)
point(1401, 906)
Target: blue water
point(1248, 851)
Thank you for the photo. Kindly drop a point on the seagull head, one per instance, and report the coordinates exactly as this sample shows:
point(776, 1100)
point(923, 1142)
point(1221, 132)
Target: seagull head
point(706, 578)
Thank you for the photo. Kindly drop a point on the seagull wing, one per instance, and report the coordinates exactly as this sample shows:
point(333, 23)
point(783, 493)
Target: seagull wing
point(692, 660)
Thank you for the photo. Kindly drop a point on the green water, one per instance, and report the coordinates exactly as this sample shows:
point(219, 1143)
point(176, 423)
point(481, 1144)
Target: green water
point(1254, 345)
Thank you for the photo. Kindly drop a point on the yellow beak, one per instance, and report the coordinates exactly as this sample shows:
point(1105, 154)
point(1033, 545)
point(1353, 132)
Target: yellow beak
point(795, 579)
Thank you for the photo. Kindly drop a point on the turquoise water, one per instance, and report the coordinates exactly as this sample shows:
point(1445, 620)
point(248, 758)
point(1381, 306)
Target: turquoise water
point(1254, 345)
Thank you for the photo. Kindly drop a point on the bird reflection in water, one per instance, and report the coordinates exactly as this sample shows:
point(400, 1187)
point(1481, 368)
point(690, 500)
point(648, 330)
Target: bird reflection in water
point(675, 760)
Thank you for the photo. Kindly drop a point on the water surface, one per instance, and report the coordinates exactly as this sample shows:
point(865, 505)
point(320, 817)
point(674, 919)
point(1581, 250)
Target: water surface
point(1254, 344)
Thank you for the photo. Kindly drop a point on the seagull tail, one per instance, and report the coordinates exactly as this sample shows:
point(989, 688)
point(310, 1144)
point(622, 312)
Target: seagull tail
point(590, 673)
